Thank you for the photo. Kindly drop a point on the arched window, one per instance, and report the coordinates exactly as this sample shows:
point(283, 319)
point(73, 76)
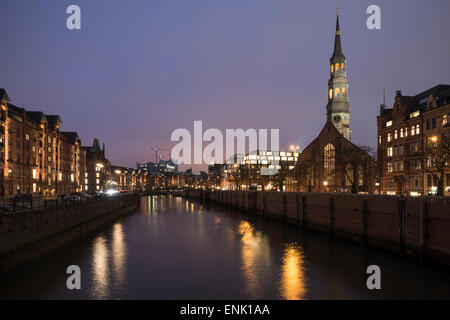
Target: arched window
point(342, 66)
point(329, 163)
point(343, 92)
point(336, 92)
point(332, 68)
point(330, 93)
point(337, 67)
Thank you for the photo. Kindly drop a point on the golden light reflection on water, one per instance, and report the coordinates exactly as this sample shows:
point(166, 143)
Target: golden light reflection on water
point(119, 255)
point(100, 270)
point(293, 282)
point(254, 253)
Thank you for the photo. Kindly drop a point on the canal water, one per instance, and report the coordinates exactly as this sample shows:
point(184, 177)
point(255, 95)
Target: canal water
point(173, 248)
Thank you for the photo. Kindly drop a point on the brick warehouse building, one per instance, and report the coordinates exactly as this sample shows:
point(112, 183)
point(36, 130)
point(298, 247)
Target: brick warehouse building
point(404, 135)
point(35, 156)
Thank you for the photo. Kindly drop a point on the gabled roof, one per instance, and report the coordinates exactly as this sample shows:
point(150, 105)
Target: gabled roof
point(419, 101)
point(53, 119)
point(3, 95)
point(36, 116)
point(71, 136)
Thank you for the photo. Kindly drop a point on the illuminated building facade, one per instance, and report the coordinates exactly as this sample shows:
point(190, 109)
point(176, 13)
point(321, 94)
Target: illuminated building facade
point(34, 153)
point(404, 134)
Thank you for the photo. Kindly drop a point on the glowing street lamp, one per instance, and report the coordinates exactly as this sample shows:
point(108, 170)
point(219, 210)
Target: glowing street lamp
point(434, 138)
point(325, 183)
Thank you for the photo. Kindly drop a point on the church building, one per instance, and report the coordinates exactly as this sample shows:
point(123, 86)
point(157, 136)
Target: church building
point(331, 162)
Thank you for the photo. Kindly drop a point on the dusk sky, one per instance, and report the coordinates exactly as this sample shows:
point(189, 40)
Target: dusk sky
point(139, 69)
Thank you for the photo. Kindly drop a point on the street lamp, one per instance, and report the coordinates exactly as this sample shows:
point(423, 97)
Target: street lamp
point(294, 148)
point(325, 184)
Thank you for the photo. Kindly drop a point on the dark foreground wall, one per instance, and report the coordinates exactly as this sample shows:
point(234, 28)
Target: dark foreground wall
point(418, 226)
point(27, 235)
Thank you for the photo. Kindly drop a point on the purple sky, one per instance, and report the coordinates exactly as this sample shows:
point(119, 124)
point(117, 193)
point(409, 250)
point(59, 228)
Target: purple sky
point(139, 69)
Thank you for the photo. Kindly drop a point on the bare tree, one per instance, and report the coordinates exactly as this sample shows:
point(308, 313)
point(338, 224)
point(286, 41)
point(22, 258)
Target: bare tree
point(305, 173)
point(437, 157)
point(352, 161)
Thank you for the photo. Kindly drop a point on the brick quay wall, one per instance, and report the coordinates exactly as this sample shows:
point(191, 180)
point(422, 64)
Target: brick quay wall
point(417, 226)
point(30, 234)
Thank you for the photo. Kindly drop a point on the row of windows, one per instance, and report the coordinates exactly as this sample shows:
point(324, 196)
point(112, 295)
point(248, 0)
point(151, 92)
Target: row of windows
point(432, 123)
point(400, 149)
point(338, 92)
point(395, 166)
point(403, 132)
point(336, 67)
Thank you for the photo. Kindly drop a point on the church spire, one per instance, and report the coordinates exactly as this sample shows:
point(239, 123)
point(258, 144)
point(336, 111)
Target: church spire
point(337, 39)
point(338, 109)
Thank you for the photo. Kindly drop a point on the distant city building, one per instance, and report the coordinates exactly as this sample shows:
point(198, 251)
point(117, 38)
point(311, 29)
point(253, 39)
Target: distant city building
point(163, 166)
point(407, 135)
point(244, 172)
point(98, 168)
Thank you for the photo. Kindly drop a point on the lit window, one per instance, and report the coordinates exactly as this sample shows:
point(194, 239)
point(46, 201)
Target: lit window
point(389, 152)
point(389, 137)
point(27, 136)
point(401, 133)
point(330, 93)
point(332, 68)
point(379, 139)
point(417, 129)
point(444, 120)
point(389, 123)
point(395, 134)
point(406, 132)
point(329, 163)
point(412, 130)
point(34, 175)
point(336, 92)
point(342, 66)
point(337, 67)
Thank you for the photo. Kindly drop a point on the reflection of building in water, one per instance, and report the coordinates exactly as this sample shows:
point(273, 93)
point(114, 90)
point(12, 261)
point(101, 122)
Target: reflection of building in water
point(119, 253)
point(255, 253)
point(293, 282)
point(100, 270)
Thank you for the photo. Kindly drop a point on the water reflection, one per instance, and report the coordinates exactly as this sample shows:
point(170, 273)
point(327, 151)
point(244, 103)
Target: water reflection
point(293, 282)
point(100, 270)
point(255, 253)
point(119, 255)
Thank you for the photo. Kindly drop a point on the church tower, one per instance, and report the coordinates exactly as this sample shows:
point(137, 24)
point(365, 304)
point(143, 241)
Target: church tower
point(338, 109)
